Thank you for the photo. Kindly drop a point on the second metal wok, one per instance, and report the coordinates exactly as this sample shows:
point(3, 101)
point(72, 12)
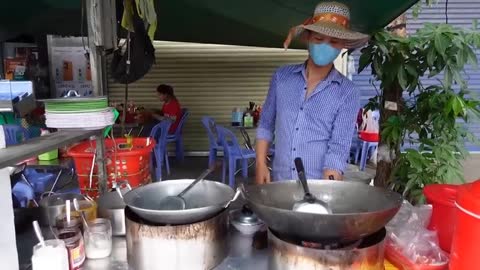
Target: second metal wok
point(203, 201)
point(358, 209)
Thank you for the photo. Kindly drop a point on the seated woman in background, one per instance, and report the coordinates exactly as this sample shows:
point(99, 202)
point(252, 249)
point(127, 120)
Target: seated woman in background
point(171, 107)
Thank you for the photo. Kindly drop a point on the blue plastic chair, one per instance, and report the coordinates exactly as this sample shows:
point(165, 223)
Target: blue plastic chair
point(160, 133)
point(177, 137)
point(214, 140)
point(23, 192)
point(233, 152)
point(14, 134)
point(363, 152)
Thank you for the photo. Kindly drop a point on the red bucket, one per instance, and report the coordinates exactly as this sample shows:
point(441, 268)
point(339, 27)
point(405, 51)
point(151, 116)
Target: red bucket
point(442, 198)
point(130, 163)
point(465, 252)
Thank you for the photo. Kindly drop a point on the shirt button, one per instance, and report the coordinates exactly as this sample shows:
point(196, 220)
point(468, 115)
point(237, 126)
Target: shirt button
point(294, 149)
point(293, 169)
point(301, 108)
point(296, 129)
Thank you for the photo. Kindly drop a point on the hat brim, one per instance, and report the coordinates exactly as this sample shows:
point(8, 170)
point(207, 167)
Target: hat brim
point(350, 38)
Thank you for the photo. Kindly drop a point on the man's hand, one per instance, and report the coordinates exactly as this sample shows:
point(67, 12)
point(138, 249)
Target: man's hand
point(262, 175)
point(336, 175)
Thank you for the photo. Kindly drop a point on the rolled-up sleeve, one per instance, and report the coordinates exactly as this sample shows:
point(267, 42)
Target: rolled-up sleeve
point(342, 132)
point(266, 124)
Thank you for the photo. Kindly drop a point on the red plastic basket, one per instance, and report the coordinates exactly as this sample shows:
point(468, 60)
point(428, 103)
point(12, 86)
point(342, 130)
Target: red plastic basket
point(130, 163)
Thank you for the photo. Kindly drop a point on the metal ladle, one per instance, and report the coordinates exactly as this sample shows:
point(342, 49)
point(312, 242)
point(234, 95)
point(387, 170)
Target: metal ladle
point(178, 202)
point(309, 204)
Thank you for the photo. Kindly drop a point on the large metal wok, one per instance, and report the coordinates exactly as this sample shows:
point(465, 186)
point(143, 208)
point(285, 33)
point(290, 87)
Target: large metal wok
point(205, 200)
point(358, 209)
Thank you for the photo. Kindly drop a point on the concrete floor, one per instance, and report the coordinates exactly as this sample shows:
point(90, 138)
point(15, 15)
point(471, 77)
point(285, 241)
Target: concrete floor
point(471, 168)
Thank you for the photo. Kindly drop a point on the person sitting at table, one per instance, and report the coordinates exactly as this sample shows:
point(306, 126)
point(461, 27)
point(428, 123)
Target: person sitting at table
point(171, 107)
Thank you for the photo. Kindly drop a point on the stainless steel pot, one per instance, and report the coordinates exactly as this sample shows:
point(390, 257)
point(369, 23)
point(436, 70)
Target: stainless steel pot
point(111, 206)
point(54, 206)
point(197, 246)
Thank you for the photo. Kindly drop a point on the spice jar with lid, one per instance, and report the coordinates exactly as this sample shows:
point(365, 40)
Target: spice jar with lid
point(76, 249)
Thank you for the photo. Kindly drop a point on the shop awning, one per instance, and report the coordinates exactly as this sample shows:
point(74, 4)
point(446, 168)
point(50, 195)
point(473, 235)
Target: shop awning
point(241, 22)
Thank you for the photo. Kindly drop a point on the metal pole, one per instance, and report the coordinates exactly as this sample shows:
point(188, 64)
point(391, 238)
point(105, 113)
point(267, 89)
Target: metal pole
point(101, 165)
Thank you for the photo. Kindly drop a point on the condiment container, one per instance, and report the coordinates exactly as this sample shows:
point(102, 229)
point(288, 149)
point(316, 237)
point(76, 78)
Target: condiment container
point(76, 249)
point(248, 120)
point(98, 239)
point(237, 116)
point(63, 224)
point(246, 224)
point(112, 207)
point(51, 256)
point(245, 221)
point(53, 206)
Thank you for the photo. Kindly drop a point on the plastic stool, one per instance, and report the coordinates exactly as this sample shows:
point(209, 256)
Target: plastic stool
point(363, 151)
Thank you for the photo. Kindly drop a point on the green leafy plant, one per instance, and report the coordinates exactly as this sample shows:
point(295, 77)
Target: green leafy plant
point(433, 117)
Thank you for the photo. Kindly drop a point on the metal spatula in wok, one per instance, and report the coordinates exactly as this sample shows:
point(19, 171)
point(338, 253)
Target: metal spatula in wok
point(309, 204)
point(178, 202)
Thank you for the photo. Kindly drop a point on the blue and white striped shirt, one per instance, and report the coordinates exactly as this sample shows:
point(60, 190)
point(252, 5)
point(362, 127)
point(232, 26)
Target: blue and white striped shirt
point(318, 129)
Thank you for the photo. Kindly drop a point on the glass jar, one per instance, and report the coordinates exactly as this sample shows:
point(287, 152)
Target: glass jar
point(76, 249)
point(51, 256)
point(63, 224)
point(98, 239)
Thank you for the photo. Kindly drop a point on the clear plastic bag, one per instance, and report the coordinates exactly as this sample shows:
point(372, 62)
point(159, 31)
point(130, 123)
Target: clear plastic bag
point(407, 234)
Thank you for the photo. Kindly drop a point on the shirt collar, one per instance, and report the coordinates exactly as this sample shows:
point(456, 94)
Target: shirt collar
point(333, 76)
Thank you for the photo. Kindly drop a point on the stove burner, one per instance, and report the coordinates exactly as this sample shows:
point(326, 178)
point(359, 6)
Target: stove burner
point(332, 244)
point(290, 253)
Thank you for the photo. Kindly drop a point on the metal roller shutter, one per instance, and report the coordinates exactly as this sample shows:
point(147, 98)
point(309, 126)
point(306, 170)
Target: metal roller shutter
point(208, 80)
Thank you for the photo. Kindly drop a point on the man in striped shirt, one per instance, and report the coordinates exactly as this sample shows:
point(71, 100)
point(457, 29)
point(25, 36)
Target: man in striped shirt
point(311, 108)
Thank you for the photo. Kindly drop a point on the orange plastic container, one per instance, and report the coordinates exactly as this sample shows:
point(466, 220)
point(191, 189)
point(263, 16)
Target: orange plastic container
point(123, 161)
point(465, 253)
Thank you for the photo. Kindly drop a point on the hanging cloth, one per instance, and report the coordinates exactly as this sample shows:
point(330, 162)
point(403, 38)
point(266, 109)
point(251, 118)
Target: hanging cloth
point(146, 11)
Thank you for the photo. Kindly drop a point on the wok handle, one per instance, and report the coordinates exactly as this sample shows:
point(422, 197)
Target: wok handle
point(235, 197)
point(301, 175)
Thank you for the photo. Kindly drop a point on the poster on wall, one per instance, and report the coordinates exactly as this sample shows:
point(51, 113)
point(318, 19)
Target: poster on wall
point(71, 71)
point(15, 68)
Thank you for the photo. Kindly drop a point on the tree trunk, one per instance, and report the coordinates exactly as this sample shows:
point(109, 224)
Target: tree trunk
point(392, 96)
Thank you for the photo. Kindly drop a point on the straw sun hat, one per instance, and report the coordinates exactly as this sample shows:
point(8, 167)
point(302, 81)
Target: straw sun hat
point(330, 19)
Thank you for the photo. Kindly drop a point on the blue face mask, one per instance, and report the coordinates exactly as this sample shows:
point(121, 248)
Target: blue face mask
point(322, 54)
